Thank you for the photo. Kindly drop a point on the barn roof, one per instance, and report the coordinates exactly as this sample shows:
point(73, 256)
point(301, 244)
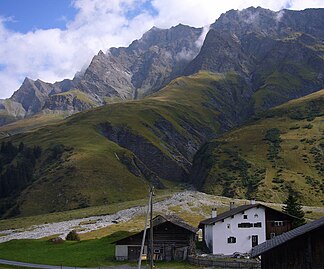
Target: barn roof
point(235, 211)
point(285, 237)
point(177, 221)
point(159, 219)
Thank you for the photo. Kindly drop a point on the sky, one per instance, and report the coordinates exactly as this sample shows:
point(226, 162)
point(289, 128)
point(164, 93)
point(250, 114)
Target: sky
point(53, 39)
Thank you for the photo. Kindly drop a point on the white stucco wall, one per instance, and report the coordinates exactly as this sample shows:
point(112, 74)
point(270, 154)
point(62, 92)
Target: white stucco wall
point(243, 236)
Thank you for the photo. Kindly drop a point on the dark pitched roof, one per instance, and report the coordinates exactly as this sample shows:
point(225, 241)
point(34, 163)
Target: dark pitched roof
point(285, 237)
point(226, 214)
point(159, 219)
point(234, 211)
point(178, 221)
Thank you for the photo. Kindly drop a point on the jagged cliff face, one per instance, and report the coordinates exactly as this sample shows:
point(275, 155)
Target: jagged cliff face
point(144, 67)
point(280, 54)
point(129, 73)
point(270, 23)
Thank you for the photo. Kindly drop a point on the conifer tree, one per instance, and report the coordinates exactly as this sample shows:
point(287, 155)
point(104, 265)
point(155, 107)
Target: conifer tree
point(294, 208)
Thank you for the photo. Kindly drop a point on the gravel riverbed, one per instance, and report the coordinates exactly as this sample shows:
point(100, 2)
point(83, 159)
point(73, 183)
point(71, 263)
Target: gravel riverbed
point(96, 222)
point(186, 200)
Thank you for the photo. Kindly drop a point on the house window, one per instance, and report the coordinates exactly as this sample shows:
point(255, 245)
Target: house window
point(256, 216)
point(231, 240)
point(278, 223)
point(232, 216)
point(228, 226)
point(245, 225)
point(244, 216)
point(257, 224)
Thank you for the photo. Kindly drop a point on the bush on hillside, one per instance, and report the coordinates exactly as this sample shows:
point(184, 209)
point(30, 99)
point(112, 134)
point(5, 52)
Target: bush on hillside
point(72, 236)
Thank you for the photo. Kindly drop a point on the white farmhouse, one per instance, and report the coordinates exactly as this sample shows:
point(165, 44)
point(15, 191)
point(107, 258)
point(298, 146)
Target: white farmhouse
point(243, 227)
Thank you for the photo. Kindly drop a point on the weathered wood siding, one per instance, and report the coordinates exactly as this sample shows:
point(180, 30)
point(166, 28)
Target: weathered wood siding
point(271, 218)
point(303, 252)
point(171, 242)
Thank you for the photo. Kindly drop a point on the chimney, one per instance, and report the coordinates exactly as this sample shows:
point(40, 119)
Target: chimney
point(214, 212)
point(232, 205)
point(252, 202)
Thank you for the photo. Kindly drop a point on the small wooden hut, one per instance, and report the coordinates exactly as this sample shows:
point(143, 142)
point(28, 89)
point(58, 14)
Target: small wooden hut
point(173, 240)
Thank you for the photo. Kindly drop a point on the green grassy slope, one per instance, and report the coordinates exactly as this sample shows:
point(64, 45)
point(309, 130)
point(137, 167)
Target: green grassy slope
point(109, 154)
point(264, 159)
point(31, 124)
point(84, 254)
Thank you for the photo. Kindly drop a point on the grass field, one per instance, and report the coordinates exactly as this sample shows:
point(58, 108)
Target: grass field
point(88, 253)
point(84, 253)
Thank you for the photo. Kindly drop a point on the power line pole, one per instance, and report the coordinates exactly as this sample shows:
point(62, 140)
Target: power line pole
point(151, 231)
point(144, 232)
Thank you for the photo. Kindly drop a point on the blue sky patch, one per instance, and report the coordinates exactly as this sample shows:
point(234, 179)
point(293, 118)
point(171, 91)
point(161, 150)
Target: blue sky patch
point(28, 15)
point(139, 8)
point(2, 67)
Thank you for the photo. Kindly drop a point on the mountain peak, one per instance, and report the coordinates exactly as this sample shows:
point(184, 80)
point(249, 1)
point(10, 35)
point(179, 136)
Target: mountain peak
point(28, 80)
point(100, 53)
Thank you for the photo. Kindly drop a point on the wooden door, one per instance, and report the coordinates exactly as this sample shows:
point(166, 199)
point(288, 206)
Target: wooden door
point(255, 240)
point(133, 253)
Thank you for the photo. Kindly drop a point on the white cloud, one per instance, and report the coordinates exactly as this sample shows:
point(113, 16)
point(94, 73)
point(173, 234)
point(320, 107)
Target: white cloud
point(56, 54)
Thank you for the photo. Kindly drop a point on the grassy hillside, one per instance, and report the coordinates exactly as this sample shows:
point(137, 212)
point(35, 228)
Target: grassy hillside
point(31, 124)
point(281, 150)
point(111, 153)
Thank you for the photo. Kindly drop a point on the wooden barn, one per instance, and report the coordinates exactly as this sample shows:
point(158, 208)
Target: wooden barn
point(301, 248)
point(173, 240)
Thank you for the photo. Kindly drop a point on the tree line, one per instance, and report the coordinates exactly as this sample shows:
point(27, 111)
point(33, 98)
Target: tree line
point(17, 164)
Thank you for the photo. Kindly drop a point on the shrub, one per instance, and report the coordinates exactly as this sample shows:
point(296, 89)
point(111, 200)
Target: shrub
point(295, 127)
point(277, 180)
point(72, 236)
point(308, 126)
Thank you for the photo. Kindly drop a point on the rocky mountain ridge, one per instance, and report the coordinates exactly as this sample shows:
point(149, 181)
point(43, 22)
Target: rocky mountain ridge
point(254, 42)
point(129, 73)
